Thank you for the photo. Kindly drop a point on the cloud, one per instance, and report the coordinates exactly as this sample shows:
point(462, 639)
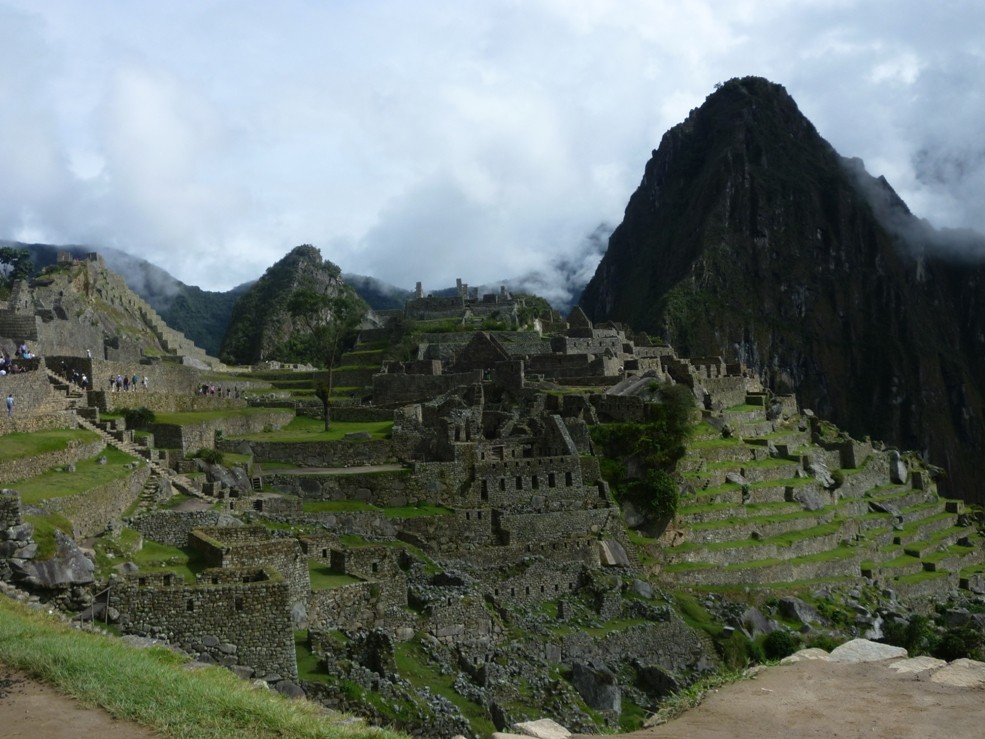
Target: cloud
point(440, 140)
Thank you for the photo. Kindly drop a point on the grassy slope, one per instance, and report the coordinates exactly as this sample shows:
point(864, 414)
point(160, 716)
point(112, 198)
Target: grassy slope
point(150, 686)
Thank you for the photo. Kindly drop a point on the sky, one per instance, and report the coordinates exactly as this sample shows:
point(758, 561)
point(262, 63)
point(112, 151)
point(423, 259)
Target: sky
point(436, 139)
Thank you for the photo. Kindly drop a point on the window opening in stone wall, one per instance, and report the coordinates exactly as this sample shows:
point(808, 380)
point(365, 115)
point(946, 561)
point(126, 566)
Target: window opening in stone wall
point(239, 603)
point(485, 489)
point(324, 553)
point(190, 605)
point(568, 479)
point(534, 482)
point(502, 483)
point(551, 480)
point(519, 483)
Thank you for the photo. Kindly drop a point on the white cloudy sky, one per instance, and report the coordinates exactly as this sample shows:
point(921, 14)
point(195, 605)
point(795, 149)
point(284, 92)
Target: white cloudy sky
point(434, 139)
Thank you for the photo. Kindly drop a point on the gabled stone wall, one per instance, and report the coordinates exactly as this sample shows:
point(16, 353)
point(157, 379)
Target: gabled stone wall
point(235, 616)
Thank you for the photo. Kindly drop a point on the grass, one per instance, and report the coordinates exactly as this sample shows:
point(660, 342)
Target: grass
point(412, 665)
point(20, 445)
point(44, 531)
point(88, 475)
point(303, 429)
point(150, 686)
point(186, 418)
point(325, 578)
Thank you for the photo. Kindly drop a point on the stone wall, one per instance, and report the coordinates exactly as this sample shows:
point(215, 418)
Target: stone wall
point(384, 489)
point(538, 580)
point(670, 644)
point(32, 394)
point(93, 509)
point(399, 388)
point(316, 453)
point(172, 527)
point(189, 438)
point(161, 402)
point(19, 469)
point(10, 509)
point(246, 547)
point(350, 607)
point(235, 616)
point(540, 527)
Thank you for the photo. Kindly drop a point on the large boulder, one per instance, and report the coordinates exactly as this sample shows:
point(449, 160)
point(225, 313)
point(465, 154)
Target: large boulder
point(597, 686)
point(897, 468)
point(70, 566)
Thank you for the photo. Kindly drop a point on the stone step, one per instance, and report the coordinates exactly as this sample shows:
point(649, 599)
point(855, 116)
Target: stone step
point(804, 542)
point(833, 563)
point(756, 527)
point(921, 531)
point(689, 515)
point(902, 496)
point(941, 539)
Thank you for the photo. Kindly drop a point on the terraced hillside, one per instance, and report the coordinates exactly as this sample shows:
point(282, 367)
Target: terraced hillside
point(782, 501)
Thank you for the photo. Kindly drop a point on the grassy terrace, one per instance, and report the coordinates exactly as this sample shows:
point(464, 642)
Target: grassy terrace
point(20, 445)
point(780, 540)
point(303, 429)
point(88, 474)
point(324, 577)
point(343, 506)
point(191, 417)
point(152, 687)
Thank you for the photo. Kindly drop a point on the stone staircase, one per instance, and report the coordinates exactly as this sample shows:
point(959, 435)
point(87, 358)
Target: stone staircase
point(757, 512)
point(67, 396)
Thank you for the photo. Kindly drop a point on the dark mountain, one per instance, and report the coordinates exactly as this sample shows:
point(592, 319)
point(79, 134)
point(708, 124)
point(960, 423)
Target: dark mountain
point(750, 237)
point(261, 326)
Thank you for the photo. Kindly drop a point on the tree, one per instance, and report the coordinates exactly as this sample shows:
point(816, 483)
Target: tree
point(15, 264)
point(330, 321)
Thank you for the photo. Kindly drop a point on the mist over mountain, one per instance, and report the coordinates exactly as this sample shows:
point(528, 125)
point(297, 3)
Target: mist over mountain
point(751, 237)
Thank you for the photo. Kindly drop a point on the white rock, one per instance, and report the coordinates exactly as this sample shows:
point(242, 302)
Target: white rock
point(543, 728)
point(962, 673)
point(917, 664)
point(805, 655)
point(863, 650)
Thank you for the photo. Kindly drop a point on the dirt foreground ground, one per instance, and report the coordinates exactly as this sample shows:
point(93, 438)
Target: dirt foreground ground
point(30, 710)
point(823, 699)
point(807, 699)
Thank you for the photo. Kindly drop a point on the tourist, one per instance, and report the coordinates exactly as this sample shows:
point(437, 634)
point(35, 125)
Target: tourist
point(146, 383)
point(126, 383)
point(85, 382)
point(10, 405)
point(133, 383)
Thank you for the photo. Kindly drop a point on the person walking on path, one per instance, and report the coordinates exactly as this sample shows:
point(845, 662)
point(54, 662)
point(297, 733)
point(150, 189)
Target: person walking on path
point(10, 405)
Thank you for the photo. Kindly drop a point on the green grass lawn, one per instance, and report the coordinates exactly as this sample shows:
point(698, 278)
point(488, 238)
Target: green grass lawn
point(324, 577)
point(192, 417)
point(20, 444)
point(88, 474)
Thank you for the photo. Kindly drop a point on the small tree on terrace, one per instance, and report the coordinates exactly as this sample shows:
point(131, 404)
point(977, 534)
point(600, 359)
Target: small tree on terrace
point(331, 322)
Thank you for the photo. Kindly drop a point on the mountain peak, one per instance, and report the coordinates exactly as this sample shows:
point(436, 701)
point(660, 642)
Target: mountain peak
point(752, 238)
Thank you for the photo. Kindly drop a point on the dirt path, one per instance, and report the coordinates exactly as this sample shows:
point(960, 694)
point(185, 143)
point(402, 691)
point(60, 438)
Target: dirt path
point(30, 710)
point(823, 699)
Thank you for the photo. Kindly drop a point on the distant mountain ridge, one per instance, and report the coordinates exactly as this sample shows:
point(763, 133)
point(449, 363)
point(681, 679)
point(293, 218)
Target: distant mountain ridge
point(751, 237)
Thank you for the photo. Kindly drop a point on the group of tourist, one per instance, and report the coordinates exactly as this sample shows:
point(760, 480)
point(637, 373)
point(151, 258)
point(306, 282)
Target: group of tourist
point(218, 391)
point(124, 384)
point(7, 366)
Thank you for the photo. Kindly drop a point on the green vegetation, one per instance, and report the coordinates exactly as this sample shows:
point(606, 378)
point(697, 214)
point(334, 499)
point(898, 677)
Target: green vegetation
point(151, 686)
point(88, 474)
point(139, 418)
point(20, 445)
point(187, 418)
point(655, 446)
point(324, 577)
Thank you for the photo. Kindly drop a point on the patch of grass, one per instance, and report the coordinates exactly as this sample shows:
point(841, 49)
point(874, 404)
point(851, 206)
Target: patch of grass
point(150, 687)
point(88, 475)
point(412, 664)
point(418, 511)
point(44, 531)
point(324, 577)
point(186, 418)
point(336, 506)
point(21, 444)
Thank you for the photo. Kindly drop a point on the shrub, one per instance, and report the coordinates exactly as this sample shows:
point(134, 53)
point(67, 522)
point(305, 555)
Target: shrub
point(779, 644)
point(212, 456)
point(139, 418)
